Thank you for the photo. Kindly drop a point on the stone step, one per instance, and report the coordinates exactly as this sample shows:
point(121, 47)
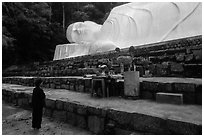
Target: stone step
point(170, 98)
point(176, 54)
point(191, 88)
point(80, 109)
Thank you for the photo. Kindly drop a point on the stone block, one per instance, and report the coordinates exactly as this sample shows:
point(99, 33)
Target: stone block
point(189, 58)
point(50, 103)
point(64, 80)
point(184, 87)
point(189, 98)
point(56, 81)
point(58, 87)
point(162, 69)
point(70, 107)
point(59, 104)
point(131, 83)
point(22, 95)
point(29, 98)
point(94, 110)
point(63, 86)
point(193, 70)
point(165, 87)
point(122, 118)
point(96, 124)
point(6, 98)
point(52, 85)
point(59, 115)
point(146, 123)
point(81, 121)
point(147, 95)
point(13, 95)
point(71, 118)
point(198, 94)
point(9, 99)
point(188, 51)
point(4, 92)
point(176, 67)
point(9, 93)
point(87, 82)
point(183, 128)
point(198, 54)
point(180, 57)
point(16, 94)
point(81, 88)
point(170, 98)
point(25, 102)
point(87, 90)
point(81, 109)
point(48, 112)
point(47, 85)
point(72, 87)
point(67, 87)
point(76, 87)
point(14, 101)
point(110, 128)
point(150, 86)
point(20, 102)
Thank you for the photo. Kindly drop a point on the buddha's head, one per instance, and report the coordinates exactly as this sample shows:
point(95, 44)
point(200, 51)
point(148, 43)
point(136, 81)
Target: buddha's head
point(83, 32)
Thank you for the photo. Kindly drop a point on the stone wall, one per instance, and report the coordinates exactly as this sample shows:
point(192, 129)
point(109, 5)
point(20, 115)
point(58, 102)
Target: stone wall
point(180, 58)
point(78, 84)
point(101, 120)
point(192, 92)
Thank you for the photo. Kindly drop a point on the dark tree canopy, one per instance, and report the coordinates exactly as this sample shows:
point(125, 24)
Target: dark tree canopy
point(31, 30)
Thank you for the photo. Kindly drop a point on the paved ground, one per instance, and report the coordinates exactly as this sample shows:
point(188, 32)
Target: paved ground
point(185, 113)
point(17, 121)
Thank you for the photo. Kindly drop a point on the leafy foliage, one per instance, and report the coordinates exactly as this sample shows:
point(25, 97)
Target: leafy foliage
point(31, 30)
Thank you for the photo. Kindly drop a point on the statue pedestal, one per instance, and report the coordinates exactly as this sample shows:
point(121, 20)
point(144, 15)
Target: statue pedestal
point(131, 84)
point(71, 50)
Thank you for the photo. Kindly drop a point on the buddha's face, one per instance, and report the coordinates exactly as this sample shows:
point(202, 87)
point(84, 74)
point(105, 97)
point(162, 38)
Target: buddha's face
point(83, 32)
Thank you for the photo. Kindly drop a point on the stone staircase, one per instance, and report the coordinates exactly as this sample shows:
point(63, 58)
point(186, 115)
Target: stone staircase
point(175, 58)
point(175, 85)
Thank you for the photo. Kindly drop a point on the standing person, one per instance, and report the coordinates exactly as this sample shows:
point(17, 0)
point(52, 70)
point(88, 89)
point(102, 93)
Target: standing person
point(38, 101)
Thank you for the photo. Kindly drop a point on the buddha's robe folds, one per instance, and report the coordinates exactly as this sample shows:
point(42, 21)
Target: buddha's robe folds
point(133, 24)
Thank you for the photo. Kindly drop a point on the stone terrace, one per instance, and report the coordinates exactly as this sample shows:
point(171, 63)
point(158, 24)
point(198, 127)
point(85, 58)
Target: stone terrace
point(126, 116)
point(180, 58)
point(190, 88)
point(175, 73)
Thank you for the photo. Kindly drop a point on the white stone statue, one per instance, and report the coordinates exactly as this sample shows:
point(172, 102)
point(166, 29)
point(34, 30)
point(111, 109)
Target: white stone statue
point(83, 32)
point(133, 24)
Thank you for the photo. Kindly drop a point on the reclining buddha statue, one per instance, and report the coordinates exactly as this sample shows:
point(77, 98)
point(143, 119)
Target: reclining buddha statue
point(133, 24)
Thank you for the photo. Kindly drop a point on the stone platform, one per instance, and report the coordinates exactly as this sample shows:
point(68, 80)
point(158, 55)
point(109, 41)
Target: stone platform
point(190, 88)
point(95, 114)
point(174, 58)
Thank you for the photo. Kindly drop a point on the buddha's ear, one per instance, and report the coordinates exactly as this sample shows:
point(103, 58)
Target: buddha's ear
point(78, 31)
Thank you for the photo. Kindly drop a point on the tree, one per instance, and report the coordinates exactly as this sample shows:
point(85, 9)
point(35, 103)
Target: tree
point(29, 25)
point(31, 30)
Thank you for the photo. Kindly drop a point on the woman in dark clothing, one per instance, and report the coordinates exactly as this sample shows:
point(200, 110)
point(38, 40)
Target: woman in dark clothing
point(38, 101)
